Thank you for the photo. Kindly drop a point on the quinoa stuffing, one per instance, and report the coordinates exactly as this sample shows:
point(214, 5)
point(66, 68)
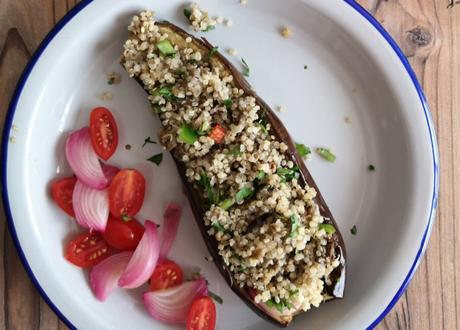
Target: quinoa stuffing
point(267, 226)
point(199, 19)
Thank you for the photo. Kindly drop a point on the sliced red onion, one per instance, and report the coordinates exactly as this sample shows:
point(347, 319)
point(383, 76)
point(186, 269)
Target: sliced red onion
point(171, 219)
point(109, 171)
point(83, 160)
point(91, 206)
point(172, 305)
point(104, 276)
point(144, 260)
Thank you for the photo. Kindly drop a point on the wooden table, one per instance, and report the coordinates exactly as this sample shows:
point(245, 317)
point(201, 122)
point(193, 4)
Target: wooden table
point(429, 34)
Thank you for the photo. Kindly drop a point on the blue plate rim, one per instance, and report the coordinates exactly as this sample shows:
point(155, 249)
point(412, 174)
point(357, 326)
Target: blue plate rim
point(84, 3)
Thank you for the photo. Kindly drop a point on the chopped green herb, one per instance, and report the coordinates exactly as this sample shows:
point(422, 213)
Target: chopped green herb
point(328, 228)
point(206, 184)
point(217, 226)
point(156, 159)
point(187, 134)
point(180, 72)
point(262, 123)
point(305, 67)
point(326, 154)
point(165, 47)
point(261, 175)
point(302, 149)
point(156, 108)
point(126, 218)
point(293, 293)
point(215, 297)
point(243, 194)
point(111, 81)
point(187, 13)
point(371, 168)
point(228, 103)
point(354, 230)
point(279, 306)
point(234, 152)
point(246, 70)
point(295, 224)
point(213, 51)
point(193, 61)
point(166, 93)
point(209, 28)
point(227, 203)
point(148, 140)
point(287, 174)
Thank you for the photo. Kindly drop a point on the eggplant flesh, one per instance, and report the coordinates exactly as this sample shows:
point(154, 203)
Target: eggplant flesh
point(335, 244)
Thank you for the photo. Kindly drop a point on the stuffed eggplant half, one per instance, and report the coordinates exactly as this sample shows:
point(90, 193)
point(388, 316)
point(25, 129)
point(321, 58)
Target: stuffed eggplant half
point(264, 221)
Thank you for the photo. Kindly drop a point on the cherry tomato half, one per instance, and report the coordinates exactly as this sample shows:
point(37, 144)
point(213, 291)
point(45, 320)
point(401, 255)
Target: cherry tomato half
point(104, 132)
point(166, 274)
point(126, 193)
point(123, 235)
point(87, 249)
point(61, 191)
point(202, 315)
point(218, 133)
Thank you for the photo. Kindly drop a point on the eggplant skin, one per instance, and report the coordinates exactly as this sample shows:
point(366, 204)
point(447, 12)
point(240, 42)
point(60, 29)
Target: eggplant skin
point(336, 244)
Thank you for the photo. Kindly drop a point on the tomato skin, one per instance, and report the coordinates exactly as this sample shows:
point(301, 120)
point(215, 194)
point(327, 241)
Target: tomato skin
point(121, 235)
point(126, 193)
point(104, 132)
point(217, 133)
point(87, 249)
point(61, 191)
point(202, 315)
point(166, 275)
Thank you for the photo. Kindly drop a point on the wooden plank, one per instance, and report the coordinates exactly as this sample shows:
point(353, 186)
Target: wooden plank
point(429, 34)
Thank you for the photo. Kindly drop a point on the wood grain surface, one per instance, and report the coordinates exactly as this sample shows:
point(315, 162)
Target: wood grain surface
point(428, 31)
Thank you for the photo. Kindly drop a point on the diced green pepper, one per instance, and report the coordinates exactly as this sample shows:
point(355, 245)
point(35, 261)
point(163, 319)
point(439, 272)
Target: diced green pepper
point(165, 47)
point(326, 154)
point(187, 134)
point(328, 228)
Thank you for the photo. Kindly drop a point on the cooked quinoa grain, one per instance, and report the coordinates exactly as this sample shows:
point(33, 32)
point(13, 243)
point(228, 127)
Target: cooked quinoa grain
point(200, 20)
point(265, 223)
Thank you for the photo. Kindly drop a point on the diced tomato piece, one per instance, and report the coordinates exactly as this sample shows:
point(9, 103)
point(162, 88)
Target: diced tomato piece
point(217, 133)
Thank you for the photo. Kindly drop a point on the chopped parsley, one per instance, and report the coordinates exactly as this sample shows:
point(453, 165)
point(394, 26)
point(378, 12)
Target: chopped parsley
point(180, 72)
point(206, 184)
point(227, 203)
point(293, 293)
point(262, 123)
point(235, 151)
point(302, 149)
point(228, 103)
point(246, 70)
point(126, 218)
point(217, 226)
point(287, 174)
point(166, 93)
point(215, 297)
point(243, 194)
point(166, 48)
point(156, 108)
point(213, 51)
point(209, 28)
point(187, 13)
point(148, 140)
point(354, 230)
point(328, 228)
point(279, 306)
point(156, 159)
point(326, 154)
point(371, 168)
point(111, 80)
point(187, 134)
point(295, 224)
point(305, 67)
point(261, 175)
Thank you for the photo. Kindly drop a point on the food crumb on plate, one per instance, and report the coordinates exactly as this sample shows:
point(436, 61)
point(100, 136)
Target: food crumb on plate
point(106, 96)
point(281, 108)
point(113, 78)
point(286, 32)
point(243, 2)
point(347, 120)
point(13, 139)
point(232, 51)
point(228, 22)
point(209, 258)
point(15, 127)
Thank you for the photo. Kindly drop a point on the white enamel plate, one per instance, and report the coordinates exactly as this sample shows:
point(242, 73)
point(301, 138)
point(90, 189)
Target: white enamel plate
point(354, 70)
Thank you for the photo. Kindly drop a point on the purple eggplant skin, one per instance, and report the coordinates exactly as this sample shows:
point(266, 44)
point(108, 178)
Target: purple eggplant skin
point(335, 245)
